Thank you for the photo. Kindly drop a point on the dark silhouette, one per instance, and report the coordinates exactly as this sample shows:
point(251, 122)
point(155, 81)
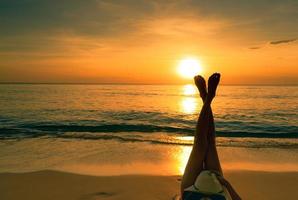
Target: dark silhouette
point(203, 176)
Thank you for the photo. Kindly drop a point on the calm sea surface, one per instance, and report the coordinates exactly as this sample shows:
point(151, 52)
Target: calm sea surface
point(256, 116)
point(142, 129)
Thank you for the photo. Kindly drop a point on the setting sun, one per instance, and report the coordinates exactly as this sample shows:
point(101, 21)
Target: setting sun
point(189, 67)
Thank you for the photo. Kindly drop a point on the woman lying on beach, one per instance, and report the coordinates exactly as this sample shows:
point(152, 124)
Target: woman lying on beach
point(203, 177)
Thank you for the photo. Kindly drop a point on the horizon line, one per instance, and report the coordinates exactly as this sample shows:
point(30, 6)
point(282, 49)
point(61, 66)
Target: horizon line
point(115, 83)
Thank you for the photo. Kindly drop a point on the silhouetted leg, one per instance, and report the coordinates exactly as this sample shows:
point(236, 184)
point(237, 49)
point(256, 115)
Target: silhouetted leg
point(212, 160)
point(196, 159)
point(195, 162)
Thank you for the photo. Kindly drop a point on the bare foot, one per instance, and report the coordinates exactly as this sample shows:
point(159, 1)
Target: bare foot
point(201, 85)
point(212, 85)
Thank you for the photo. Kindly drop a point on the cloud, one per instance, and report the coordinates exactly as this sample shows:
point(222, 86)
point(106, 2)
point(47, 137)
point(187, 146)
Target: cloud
point(109, 18)
point(27, 25)
point(277, 42)
point(95, 18)
point(254, 48)
point(283, 41)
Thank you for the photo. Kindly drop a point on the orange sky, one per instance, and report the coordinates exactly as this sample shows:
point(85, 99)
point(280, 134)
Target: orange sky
point(143, 41)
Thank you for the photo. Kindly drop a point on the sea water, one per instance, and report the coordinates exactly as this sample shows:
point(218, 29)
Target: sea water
point(40, 116)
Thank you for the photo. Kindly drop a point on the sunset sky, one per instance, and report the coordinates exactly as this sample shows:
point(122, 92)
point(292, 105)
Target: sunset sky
point(138, 41)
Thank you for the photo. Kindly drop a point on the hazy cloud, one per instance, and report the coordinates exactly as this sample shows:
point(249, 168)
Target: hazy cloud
point(140, 19)
point(89, 30)
point(108, 18)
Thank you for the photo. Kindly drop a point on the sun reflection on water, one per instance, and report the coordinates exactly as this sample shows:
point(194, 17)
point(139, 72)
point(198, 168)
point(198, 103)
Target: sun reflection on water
point(189, 90)
point(183, 158)
point(181, 154)
point(189, 105)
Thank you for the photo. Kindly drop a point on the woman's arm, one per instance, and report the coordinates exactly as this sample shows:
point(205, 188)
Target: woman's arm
point(230, 189)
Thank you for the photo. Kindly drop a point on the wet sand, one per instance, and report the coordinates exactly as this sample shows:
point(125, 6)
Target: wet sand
point(252, 185)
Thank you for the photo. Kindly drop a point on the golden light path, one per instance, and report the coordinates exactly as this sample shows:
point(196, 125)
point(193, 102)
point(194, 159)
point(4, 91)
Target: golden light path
point(189, 103)
point(189, 90)
point(183, 157)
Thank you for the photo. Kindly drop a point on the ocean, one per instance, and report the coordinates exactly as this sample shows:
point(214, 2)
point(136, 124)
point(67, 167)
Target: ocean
point(36, 117)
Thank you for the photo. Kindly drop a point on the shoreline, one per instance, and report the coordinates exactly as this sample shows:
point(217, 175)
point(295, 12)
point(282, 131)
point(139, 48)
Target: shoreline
point(49, 184)
point(91, 157)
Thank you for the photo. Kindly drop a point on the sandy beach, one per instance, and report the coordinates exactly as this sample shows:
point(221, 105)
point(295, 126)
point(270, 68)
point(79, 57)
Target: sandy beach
point(60, 185)
point(41, 169)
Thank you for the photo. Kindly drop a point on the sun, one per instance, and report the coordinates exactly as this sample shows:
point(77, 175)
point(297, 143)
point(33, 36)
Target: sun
point(189, 67)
